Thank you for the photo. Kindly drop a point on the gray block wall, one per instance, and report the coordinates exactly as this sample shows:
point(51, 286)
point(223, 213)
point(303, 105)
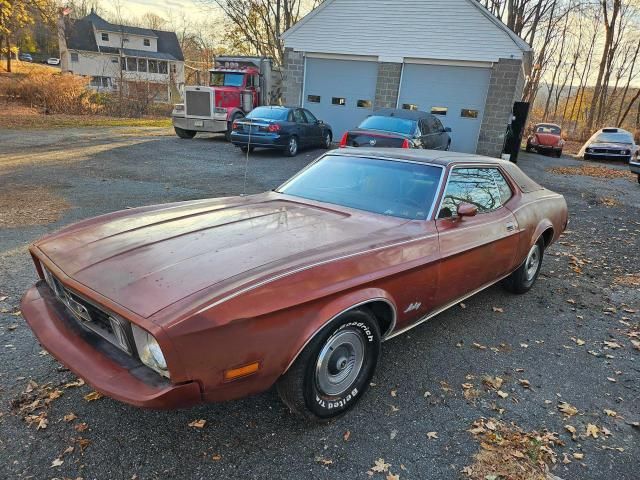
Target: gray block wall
point(505, 87)
point(293, 77)
point(388, 85)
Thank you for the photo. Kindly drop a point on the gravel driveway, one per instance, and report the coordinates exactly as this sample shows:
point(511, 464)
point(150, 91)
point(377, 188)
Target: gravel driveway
point(553, 337)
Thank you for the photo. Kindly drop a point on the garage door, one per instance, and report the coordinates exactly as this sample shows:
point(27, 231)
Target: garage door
point(456, 94)
point(340, 92)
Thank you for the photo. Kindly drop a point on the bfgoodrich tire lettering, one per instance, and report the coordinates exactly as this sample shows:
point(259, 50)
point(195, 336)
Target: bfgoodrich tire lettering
point(334, 370)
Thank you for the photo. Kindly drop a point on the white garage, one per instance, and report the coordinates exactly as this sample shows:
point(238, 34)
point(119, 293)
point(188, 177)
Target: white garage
point(348, 58)
point(456, 94)
point(340, 92)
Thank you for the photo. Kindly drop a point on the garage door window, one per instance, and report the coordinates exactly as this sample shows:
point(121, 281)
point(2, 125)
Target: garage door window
point(341, 101)
point(410, 106)
point(364, 104)
point(467, 113)
point(439, 110)
point(313, 98)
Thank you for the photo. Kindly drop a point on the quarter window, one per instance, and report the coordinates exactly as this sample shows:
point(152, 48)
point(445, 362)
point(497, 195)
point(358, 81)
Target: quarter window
point(339, 101)
point(313, 98)
point(439, 110)
point(476, 186)
point(364, 104)
point(467, 113)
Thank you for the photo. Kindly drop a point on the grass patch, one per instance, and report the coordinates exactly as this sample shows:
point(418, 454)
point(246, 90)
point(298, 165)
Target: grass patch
point(24, 205)
point(508, 452)
point(14, 117)
point(595, 172)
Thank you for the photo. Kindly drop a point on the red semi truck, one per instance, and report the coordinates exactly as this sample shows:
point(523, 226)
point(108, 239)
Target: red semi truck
point(236, 86)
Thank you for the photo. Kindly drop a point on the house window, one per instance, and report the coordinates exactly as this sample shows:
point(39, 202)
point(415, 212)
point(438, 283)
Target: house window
point(132, 64)
point(341, 101)
point(105, 37)
point(313, 98)
point(439, 110)
point(467, 113)
point(174, 68)
point(100, 82)
point(114, 60)
point(410, 106)
point(364, 104)
point(162, 67)
point(142, 64)
point(147, 42)
point(74, 57)
point(153, 66)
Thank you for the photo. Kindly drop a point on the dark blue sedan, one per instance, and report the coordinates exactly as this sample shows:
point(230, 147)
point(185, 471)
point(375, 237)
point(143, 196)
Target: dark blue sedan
point(283, 128)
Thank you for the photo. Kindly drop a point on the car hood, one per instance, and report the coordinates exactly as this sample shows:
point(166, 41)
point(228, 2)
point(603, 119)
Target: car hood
point(148, 259)
point(548, 139)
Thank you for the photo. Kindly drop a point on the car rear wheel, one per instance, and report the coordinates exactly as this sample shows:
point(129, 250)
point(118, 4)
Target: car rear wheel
point(526, 275)
point(186, 134)
point(292, 147)
point(334, 369)
point(327, 140)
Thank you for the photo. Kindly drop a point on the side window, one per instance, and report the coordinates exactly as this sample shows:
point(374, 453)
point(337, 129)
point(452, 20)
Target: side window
point(503, 186)
point(298, 117)
point(424, 127)
point(290, 116)
point(310, 117)
point(476, 186)
point(437, 125)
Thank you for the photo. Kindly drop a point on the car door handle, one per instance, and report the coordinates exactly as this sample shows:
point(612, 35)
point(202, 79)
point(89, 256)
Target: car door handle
point(510, 226)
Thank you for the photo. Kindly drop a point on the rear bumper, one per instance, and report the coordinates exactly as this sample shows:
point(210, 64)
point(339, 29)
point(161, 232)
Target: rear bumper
point(265, 141)
point(199, 125)
point(546, 148)
point(106, 368)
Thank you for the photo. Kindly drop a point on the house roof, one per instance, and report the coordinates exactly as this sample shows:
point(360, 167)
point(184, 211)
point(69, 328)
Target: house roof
point(80, 36)
point(457, 30)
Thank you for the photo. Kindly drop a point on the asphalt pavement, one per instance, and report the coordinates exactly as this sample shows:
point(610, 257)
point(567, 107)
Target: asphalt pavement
point(554, 337)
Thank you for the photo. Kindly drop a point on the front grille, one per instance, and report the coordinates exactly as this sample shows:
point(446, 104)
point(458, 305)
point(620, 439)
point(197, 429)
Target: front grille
point(609, 151)
point(91, 316)
point(198, 104)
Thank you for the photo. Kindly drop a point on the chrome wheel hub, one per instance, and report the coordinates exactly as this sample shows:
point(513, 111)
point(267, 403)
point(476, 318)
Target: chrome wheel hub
point(532, 262)
point(340, 362)
point(293, 146)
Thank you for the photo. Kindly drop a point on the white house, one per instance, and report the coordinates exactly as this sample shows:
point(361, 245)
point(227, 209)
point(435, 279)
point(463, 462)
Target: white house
point(119, 56)
point(451, 58)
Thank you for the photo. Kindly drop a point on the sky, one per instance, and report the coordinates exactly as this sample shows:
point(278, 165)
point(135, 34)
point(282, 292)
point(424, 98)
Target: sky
point(192, 9)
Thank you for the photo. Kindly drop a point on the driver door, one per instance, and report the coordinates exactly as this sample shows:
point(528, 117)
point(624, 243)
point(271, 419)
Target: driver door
point(475, 251)
point(315, 129)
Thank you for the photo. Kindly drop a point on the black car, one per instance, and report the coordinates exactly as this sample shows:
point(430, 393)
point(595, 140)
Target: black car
point(283, 128)
point(395, 128)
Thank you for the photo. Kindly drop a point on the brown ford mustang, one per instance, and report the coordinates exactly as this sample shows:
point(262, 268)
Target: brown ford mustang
point(212, 300)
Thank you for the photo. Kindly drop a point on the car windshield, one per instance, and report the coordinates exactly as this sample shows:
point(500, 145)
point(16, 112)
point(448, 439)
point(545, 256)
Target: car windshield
point(266, 113)
point(389, 124)
point(219, 79)
point(387, 187)
point(548, 129)
point(613, 137)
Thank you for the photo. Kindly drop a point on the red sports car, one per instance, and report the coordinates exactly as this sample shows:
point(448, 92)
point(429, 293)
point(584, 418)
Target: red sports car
point(546, 138)
point(211, 300)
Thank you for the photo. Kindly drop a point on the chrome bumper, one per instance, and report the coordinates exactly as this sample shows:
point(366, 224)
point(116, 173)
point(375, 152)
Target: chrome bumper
point(200, 125)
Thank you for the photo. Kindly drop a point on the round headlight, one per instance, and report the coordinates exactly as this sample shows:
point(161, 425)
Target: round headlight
point(156, 354)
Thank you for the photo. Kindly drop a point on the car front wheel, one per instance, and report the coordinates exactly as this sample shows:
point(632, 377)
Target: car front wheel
point(526, 275)
point(327, 140)
point(335, 368)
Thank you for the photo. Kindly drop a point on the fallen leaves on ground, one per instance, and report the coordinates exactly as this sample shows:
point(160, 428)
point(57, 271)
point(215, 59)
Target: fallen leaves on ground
point(324, 461)
point(380, 466)
point(19, 207)
point(506, 451)
point(567, 409)
point(596, 172)
point(347, 435)
point(33, 402)
point(628, 280)
point(198, 423)
point(93, 396)
point(608, 201)
point(592, 430)
point(492, 382)
point(432, 435)
point(498, 310)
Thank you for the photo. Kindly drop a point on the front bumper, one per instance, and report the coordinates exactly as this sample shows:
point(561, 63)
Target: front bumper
point(260, 140)
point(635, 166)
point(199, 125)
point(102, 365)
point(615, 156)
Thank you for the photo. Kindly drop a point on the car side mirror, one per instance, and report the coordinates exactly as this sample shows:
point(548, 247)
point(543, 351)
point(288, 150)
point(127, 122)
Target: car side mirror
point(467, 210)
point(319, 122)
point(447, 129)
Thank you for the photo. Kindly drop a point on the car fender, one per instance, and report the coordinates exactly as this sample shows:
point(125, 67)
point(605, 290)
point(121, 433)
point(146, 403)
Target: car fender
point(333, 310)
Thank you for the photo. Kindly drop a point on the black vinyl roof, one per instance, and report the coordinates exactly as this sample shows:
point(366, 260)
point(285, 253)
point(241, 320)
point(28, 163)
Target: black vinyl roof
point(80, 36)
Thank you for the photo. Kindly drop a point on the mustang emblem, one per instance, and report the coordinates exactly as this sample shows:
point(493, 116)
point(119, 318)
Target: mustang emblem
point(413, 307)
